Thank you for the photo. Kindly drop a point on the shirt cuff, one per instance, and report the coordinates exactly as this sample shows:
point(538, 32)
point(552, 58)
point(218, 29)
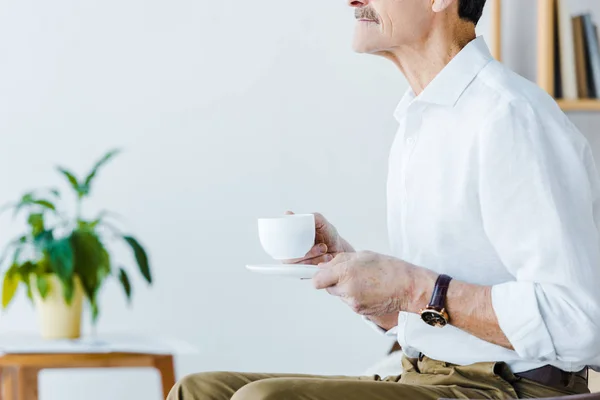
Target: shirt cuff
point(516, 307)
point(391, 332)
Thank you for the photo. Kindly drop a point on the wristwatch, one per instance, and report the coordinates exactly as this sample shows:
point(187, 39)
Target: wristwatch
point(435, 313)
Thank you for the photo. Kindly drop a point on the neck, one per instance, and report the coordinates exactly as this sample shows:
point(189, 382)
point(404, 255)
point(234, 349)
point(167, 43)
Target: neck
point(420, 62)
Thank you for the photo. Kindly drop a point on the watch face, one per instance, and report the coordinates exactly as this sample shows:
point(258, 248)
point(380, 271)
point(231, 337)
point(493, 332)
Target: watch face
point(434, 318)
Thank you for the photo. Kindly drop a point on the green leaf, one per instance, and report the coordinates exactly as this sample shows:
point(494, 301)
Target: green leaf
point(29, 200)
point(9, 286)
point(95, 312)
point(98, 221)
point(141, 257)
point(26, 199)
point(36, 221)
point(92, 261)
point(104, 267)
point(26, 269)
point(72, 180)
point(88, 180)
point(61, 258)
point(44, 203)
point(124, 279)
point(44, 239)
point(68, 290)
point(55, 192)
point(43, 286)
point(29, 293)
point(85, 225)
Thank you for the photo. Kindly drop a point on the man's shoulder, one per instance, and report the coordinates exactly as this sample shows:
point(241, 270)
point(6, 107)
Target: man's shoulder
point(497, 90)
point(517, 111)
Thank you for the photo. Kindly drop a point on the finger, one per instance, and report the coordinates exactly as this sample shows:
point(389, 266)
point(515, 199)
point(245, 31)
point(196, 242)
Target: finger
point(316, 251)
point(319, 260)
point(325, 278)
point(320, 221)
point(289, 213)
point(334, 291)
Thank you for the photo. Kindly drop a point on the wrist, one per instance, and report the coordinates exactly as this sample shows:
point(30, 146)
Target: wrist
point(421, 287)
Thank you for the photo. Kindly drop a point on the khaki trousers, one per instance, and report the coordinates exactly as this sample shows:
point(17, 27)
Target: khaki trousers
point(426, 379)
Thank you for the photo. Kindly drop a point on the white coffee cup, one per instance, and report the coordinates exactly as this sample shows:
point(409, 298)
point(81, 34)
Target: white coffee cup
point(287, 237)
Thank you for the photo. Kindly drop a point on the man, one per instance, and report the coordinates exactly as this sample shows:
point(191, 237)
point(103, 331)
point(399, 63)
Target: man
point(494, 215)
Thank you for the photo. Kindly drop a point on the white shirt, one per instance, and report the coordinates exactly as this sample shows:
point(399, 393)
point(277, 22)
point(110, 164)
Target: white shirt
point(490, 183)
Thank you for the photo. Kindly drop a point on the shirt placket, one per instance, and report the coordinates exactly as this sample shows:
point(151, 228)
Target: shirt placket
point(413, 122)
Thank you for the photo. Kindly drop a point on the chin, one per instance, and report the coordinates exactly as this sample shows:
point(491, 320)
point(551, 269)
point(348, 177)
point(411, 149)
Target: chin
point(358, 49)
point(367, 45)
point(365, 48)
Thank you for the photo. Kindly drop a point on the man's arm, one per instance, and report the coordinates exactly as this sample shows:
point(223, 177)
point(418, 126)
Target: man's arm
point(469, 306)
point(472, 311)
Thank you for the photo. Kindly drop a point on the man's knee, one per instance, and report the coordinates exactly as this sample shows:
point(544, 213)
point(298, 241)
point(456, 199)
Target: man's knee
point(205, 386)
point(268, 389)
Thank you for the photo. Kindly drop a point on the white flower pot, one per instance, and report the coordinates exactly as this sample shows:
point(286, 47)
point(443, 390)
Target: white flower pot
point(57, 319)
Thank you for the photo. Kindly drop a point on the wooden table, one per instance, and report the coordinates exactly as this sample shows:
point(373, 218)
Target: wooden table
point(19, 372)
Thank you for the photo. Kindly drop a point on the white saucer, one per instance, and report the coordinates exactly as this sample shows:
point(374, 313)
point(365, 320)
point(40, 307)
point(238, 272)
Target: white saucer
point(298, 271)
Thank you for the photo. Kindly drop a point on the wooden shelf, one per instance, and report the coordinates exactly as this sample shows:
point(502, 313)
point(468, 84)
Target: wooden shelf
point(545, 53)
point(579, 105)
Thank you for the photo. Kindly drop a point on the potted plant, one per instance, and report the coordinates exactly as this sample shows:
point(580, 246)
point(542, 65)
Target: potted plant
point(62, 260)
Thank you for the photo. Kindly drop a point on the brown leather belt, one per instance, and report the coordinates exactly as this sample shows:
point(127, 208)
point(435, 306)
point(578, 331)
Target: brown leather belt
point(551, 376)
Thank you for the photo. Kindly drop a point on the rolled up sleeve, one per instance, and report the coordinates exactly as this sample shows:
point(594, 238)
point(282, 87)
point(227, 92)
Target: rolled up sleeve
point(539, 196)
point(391, 332)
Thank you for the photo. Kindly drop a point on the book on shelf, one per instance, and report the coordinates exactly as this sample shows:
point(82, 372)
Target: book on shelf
point(576, 54)
point(580, 58)
point(592, 53)
point(557, 55)
point(567, 51)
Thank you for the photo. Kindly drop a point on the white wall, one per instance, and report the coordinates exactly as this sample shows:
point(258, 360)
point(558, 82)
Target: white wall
point(227, 111)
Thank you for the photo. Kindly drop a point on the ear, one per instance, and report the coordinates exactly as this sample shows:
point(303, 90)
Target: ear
point(441, 5)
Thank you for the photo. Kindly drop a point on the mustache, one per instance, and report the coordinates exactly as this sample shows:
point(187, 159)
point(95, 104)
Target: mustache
point(366, 13)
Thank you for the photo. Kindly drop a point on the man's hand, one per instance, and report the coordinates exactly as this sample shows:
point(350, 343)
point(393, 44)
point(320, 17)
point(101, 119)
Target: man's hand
point(328, 244)
point(372, 284)
point(379, 287)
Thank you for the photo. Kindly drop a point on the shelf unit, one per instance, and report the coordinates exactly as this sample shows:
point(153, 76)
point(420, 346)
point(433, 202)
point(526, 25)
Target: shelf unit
point(545, 52)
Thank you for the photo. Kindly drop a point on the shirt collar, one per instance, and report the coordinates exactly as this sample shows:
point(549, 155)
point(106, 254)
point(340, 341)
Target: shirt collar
point(448, 85)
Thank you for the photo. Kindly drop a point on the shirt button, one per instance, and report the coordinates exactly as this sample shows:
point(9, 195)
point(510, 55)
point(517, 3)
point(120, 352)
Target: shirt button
point(410, 141)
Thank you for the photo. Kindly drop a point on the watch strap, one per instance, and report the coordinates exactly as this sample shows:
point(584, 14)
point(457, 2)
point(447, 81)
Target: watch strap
point(438, 298)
